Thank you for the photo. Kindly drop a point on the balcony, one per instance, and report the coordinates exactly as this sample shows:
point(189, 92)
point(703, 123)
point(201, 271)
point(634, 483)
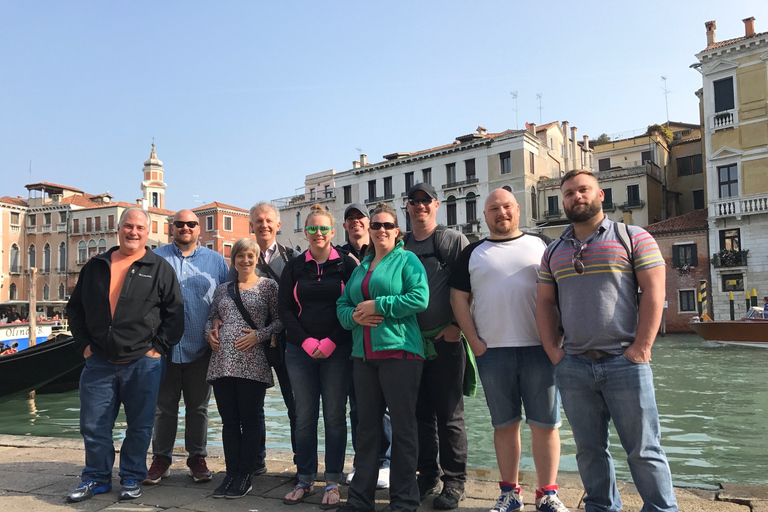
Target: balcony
point(609, 207)
point(46, 228)
point(739, 206)
point(61, 227)
point(553, 214)
point(31, 230)
point(633, 205)
point(376, 199)
point(723, 120)
point(729, 258)
point(469, 181)
point(15, 228)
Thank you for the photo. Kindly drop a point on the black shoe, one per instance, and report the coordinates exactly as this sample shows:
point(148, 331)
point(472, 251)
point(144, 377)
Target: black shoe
point(222, 490)
point(449, 498)
point(427, 488)
point(347, 507)
point(260, 470)
point(240, 487)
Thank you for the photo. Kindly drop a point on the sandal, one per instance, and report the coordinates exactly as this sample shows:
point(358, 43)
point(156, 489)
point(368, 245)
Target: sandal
point(330, 489)
point(306, 490)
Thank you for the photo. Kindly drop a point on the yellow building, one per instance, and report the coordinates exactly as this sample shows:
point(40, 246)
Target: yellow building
point(734, 100)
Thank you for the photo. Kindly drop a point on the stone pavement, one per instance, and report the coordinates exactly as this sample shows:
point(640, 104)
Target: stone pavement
point(37, 473)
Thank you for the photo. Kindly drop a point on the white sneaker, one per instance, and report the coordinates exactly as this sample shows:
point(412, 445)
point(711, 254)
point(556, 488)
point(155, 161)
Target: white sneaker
point(350, 476)
point(383, 481)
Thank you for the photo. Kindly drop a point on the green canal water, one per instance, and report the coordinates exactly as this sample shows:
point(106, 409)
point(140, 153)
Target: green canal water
point(713, 406)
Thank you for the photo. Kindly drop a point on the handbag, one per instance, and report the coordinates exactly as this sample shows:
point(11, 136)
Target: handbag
point(273, 350)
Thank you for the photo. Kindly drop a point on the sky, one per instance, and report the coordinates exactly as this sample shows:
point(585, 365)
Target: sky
point(243, 99)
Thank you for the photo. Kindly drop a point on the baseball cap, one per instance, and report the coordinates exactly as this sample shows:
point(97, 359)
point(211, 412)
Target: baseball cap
point(356, 206)
point(424, 187)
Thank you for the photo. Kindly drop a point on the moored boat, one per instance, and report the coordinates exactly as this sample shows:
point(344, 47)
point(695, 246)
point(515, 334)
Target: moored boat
point(750, 331)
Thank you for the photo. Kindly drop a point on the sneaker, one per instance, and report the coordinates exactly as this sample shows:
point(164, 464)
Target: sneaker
point(449, 498)
point(159, 469)
point(350, 476)
point(199, 469)
point(550, 502)
point(383, 481)
point(87, 490)
point(131, 490)
point(427, 488)
point(509, 501)
point(260, 470)
point(240, 487)
point(222, 490)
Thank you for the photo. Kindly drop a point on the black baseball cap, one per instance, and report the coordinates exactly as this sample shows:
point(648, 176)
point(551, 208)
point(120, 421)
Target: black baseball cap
point(356, 206)
point(424, 187)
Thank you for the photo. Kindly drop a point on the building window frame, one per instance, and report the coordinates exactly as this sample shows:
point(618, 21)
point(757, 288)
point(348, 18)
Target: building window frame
point(209, 222)
point(505, 162)
point(686, 301)
point(728, 180)
point(227, 223)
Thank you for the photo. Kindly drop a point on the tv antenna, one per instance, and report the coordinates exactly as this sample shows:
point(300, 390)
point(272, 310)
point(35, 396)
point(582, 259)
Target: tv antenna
point(514, 96)
point(666, 97)
point(538, 95)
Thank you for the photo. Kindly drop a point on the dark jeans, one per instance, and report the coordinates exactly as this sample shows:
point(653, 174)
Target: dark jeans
point(440, 415)
point(241, 406)
point(287, 391)
point(381, 384)
point(103, 387)
point(312, 379)
point(187, 379)
point(385, 450)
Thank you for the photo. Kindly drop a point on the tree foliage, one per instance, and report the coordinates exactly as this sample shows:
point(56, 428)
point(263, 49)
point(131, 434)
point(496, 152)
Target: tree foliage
point(602, 139)
point(664, 131)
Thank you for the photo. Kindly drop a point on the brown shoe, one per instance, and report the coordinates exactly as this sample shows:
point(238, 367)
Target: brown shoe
point(199, 469)
point(159, 469)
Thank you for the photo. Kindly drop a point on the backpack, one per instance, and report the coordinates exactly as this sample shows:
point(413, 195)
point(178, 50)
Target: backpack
point(436, 240)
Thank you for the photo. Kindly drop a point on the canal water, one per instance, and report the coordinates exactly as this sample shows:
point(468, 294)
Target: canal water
point(713, 406)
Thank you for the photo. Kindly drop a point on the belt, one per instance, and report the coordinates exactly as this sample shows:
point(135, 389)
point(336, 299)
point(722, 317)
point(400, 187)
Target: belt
point(597, 355)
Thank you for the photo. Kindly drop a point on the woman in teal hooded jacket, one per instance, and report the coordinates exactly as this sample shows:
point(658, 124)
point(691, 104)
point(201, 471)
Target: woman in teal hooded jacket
point(379, 306)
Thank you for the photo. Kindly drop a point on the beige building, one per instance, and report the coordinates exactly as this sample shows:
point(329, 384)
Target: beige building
point(734, 101)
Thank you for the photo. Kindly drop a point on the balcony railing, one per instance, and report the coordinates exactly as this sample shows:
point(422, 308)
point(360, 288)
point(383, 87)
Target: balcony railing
point(46, 228)
point(31, 230)
point(467, 181)
point(729, 258)
point(629, 205)
point(61, 226)
point(553, 214)
point(609, 207)
point(375, 199)
point(738, 206)
point(725, 119)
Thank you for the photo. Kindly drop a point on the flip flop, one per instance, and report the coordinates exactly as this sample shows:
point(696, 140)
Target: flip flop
point(301, 486)
point(333, 489)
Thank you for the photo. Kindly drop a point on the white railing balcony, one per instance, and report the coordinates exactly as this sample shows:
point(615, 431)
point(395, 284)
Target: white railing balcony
point(61, 227)
point(722, 120)
point(739, 206)
point(46, 228)
point(15, 228)
point(31, 230)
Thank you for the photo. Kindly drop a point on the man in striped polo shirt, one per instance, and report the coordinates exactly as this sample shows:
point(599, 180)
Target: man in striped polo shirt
point(588, 283)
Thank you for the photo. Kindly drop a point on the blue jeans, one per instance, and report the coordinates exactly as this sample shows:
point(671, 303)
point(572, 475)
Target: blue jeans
point(311, 379)
point(103, 387)
point(593, 393)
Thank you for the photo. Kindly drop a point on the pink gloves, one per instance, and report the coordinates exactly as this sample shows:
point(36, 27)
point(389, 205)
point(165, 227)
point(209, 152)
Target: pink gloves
point(325, 345)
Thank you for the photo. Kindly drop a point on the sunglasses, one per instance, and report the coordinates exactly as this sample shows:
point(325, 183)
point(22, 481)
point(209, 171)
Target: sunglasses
point(386, 225)
point(578, 260)
point(414, 201)
point(191, 224)
point(324, 230)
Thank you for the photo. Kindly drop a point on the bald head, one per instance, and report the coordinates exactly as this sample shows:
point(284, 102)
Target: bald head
point(185, 237)
point(502, 214)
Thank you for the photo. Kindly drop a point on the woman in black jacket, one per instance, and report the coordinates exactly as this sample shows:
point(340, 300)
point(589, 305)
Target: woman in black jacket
point(318, 354)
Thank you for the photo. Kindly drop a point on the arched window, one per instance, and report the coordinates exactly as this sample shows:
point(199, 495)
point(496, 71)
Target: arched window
point(47, 258)
point(31, 261)
point(534, 204)
point(13, 293)
point(91, 248)
point(62, 291)
point(46, 292)
point(62, 257)
point(102, 245)
point(14, 263)
point(82, 251)
point(298, 227)
point(451, 211)
point(471, 207)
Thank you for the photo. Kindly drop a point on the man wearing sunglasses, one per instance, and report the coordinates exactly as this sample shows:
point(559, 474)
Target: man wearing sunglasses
point(440, 405)
point(588, 280)
point(356, 224)
point(199, 271)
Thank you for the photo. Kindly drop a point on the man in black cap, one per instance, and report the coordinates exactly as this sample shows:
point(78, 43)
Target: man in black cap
point(440, 406)
point(356, 223)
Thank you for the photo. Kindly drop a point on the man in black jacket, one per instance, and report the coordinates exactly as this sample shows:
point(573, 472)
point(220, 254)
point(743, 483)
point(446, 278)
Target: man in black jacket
point(125, 314)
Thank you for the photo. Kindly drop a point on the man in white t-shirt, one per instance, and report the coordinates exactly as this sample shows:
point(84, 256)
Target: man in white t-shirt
point(498, 275)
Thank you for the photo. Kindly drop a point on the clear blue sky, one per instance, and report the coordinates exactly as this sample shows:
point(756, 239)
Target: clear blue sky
point(246, 98)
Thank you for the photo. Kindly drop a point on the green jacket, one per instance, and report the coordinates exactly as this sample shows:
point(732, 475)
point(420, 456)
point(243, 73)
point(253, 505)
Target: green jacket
point(399, 286)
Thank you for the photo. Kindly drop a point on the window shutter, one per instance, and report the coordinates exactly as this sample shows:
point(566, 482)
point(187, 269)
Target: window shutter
point(676, 256)
point(694, 256)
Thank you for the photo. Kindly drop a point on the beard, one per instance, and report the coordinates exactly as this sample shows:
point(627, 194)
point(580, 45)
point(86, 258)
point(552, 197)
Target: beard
point(589, 211)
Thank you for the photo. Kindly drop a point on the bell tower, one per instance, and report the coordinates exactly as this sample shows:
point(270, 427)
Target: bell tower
point(153, 186)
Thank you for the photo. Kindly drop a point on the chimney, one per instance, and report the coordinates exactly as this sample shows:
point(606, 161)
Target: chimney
point(749, 26)
point(586, 143)
point(363, 160)
point(355, 164)
point(711, 26)
point(532, 127)
point(566, 167)
point(576, 164)
point(482, 130)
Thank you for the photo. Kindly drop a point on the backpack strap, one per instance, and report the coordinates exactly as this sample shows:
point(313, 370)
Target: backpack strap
point(437, 238)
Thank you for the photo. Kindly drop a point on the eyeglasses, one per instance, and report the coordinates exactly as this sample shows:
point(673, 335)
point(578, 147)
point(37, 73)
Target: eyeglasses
point(386, 225)
point(414, 201)
point(578, 260)
point(324, 230)
point(191, 224)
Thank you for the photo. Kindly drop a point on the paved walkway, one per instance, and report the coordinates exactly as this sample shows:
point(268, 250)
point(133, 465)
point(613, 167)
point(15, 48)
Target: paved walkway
point(37, 473)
